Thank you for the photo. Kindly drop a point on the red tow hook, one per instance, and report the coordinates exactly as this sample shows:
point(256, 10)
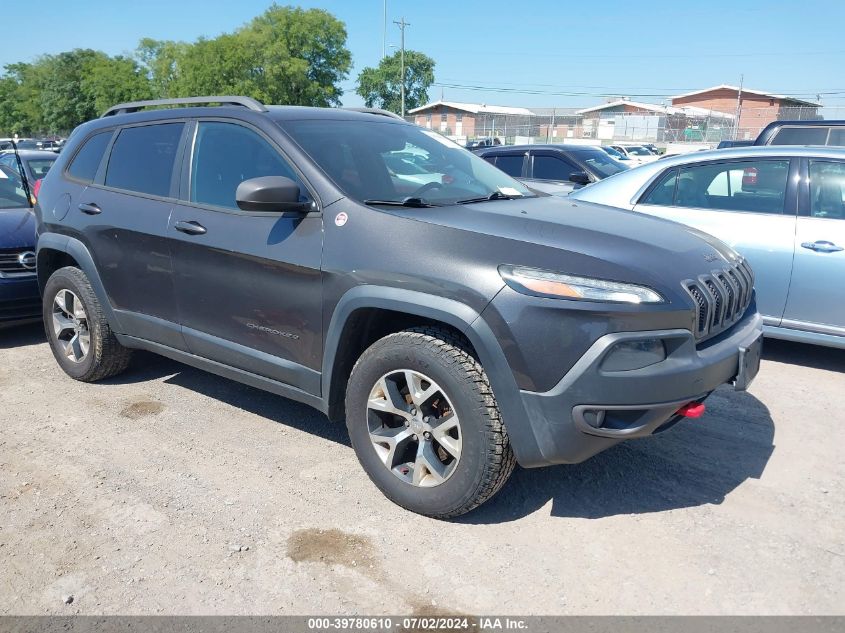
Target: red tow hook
point(691, 410)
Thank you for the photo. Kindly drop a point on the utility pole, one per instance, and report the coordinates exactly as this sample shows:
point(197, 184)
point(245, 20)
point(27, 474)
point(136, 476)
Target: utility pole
point(402, 24)
point(384, 33)
point(738, 106)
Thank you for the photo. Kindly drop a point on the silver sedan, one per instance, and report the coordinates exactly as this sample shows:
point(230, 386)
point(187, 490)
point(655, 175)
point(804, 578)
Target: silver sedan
point(782, 207)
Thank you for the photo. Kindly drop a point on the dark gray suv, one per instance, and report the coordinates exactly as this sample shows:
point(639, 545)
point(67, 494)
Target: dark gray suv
point(459, 322)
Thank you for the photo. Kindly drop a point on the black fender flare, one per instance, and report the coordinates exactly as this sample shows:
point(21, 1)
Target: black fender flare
point(453, 313)
point(76, 249)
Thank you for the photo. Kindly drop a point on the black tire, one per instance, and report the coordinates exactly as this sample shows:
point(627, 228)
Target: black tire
point(486, 459)
point(105, 357)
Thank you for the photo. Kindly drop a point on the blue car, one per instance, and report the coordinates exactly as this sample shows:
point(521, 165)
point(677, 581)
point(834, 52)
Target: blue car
point(19, 296)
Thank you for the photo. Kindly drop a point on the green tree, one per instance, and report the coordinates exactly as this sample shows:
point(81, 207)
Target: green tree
point(110, 80)
point(286, 55)
point(161, 60)
point(381, 86)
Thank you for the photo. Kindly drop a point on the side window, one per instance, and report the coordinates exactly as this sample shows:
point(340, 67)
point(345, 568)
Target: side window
point(837, 137)
point(750, 186)
point(511, 164)
point(553, 168)
point(226, 154)
point(800, 136)
point(142, 158)
point(827, 186)
point(87, 160)
point(663, 192)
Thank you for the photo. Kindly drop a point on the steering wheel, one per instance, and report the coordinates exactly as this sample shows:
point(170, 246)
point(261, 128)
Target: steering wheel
point(426, 187)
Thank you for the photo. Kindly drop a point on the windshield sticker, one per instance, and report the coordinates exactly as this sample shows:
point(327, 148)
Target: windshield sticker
point(510, 191)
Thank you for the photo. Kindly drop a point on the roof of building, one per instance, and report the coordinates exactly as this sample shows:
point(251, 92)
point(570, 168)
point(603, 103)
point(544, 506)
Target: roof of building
point(474, 108)
point(762, 93)
point(691, 111)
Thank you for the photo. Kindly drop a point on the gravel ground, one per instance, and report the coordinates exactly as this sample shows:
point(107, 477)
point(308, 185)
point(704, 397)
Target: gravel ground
point(169, 490)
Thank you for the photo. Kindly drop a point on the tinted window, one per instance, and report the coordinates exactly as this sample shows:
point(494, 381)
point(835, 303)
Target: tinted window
point(801, 136)
point(663, 192)
point(553, 168)
point(827, 186)
point(225, 155)
point(511, 165)
point(84, 165)
point(142, 158)
point(752, 186)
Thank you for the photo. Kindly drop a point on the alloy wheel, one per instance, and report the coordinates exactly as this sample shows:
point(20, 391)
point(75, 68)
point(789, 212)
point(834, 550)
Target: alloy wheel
point(70, 325)
point(413, 428)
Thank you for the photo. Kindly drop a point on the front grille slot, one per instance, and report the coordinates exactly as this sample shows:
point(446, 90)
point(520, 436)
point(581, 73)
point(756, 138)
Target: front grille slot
point(10, 266)
point(721, 298)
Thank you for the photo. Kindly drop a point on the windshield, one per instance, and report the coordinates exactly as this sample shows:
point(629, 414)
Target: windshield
point(386, 161)
point(12, 195)
point(638, 151)
point(615, 153)
point(601, 164)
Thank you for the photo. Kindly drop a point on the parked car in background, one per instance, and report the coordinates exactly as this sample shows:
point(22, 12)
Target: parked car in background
point(555, 168)
point(19, 297)
point(483, 142)
point(622, 158)
point(458, 328)
point(636, 153)
point(729, 144)
point(36, 163)
point(803, 133)
point(783, 208)
point(652, 148)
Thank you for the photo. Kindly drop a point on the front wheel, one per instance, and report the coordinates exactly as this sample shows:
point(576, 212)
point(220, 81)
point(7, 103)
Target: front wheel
point(79, 334)
point(425, 425)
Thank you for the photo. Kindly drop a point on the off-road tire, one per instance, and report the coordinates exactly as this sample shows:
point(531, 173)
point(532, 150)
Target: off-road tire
point(106, 357)
point(487, 459)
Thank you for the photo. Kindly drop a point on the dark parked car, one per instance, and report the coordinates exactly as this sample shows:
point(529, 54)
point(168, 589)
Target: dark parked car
point(36, 163)
point(803, 133)
point(557, 164)
point(19, 298)
point(459, 326)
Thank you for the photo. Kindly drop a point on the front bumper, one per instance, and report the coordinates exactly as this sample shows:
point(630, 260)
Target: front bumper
point(19, 300)
point(591, 409)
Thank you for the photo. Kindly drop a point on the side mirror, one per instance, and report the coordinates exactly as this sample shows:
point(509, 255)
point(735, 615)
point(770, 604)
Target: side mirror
point(271, 194)
point(579, 178)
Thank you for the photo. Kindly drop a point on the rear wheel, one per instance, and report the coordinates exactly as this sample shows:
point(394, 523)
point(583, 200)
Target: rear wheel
point(424, 423)
point(79, 334)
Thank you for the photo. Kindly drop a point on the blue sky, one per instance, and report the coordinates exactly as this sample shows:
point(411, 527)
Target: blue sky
point(533, 53)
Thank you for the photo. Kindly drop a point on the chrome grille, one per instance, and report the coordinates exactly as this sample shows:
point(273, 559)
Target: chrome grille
point(721, 298)
point(10, 266)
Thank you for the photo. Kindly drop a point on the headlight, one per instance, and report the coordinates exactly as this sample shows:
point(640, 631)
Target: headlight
point(544, 283)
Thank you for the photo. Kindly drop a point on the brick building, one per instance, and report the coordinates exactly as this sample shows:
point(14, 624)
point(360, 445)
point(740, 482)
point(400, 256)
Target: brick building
point(756, 108)
point(460, 119)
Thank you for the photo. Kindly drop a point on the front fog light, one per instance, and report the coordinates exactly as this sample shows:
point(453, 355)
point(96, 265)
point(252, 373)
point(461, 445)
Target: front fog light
point(628, 355)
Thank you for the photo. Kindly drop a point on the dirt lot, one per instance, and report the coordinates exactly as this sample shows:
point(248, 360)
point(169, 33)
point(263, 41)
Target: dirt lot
point(169, 490)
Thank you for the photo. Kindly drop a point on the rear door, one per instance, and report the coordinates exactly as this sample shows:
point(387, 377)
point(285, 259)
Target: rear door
point(123, 215)
point(248, 284)
point(747, 203)
point(817, 292)
point(512, 163)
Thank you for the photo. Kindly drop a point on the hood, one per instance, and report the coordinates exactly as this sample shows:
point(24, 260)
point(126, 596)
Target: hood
point(583, 238)
point(17, 228)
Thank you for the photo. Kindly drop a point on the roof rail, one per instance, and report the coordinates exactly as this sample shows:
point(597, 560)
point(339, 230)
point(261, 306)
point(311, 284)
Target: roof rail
point(135, 106)
point(375, 111)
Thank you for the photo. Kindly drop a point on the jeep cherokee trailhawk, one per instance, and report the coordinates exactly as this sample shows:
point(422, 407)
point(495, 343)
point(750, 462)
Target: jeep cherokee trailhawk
point(457, 320)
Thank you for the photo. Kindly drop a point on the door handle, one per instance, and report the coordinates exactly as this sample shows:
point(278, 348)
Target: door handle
point(90, 208)
point(191, 228)
point(822, 246)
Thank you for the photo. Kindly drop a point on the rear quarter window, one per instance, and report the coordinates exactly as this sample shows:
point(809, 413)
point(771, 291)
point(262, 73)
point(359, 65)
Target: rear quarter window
point(800, 136)
point(87, 160)
point(142, 158)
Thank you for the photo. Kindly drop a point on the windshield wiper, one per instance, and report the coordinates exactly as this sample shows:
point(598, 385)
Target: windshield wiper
point(415, 203)
point(496, 195)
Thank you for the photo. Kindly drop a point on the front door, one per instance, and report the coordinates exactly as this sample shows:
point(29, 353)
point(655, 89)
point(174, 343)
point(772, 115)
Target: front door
point(817, 291)
point(248, 285)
